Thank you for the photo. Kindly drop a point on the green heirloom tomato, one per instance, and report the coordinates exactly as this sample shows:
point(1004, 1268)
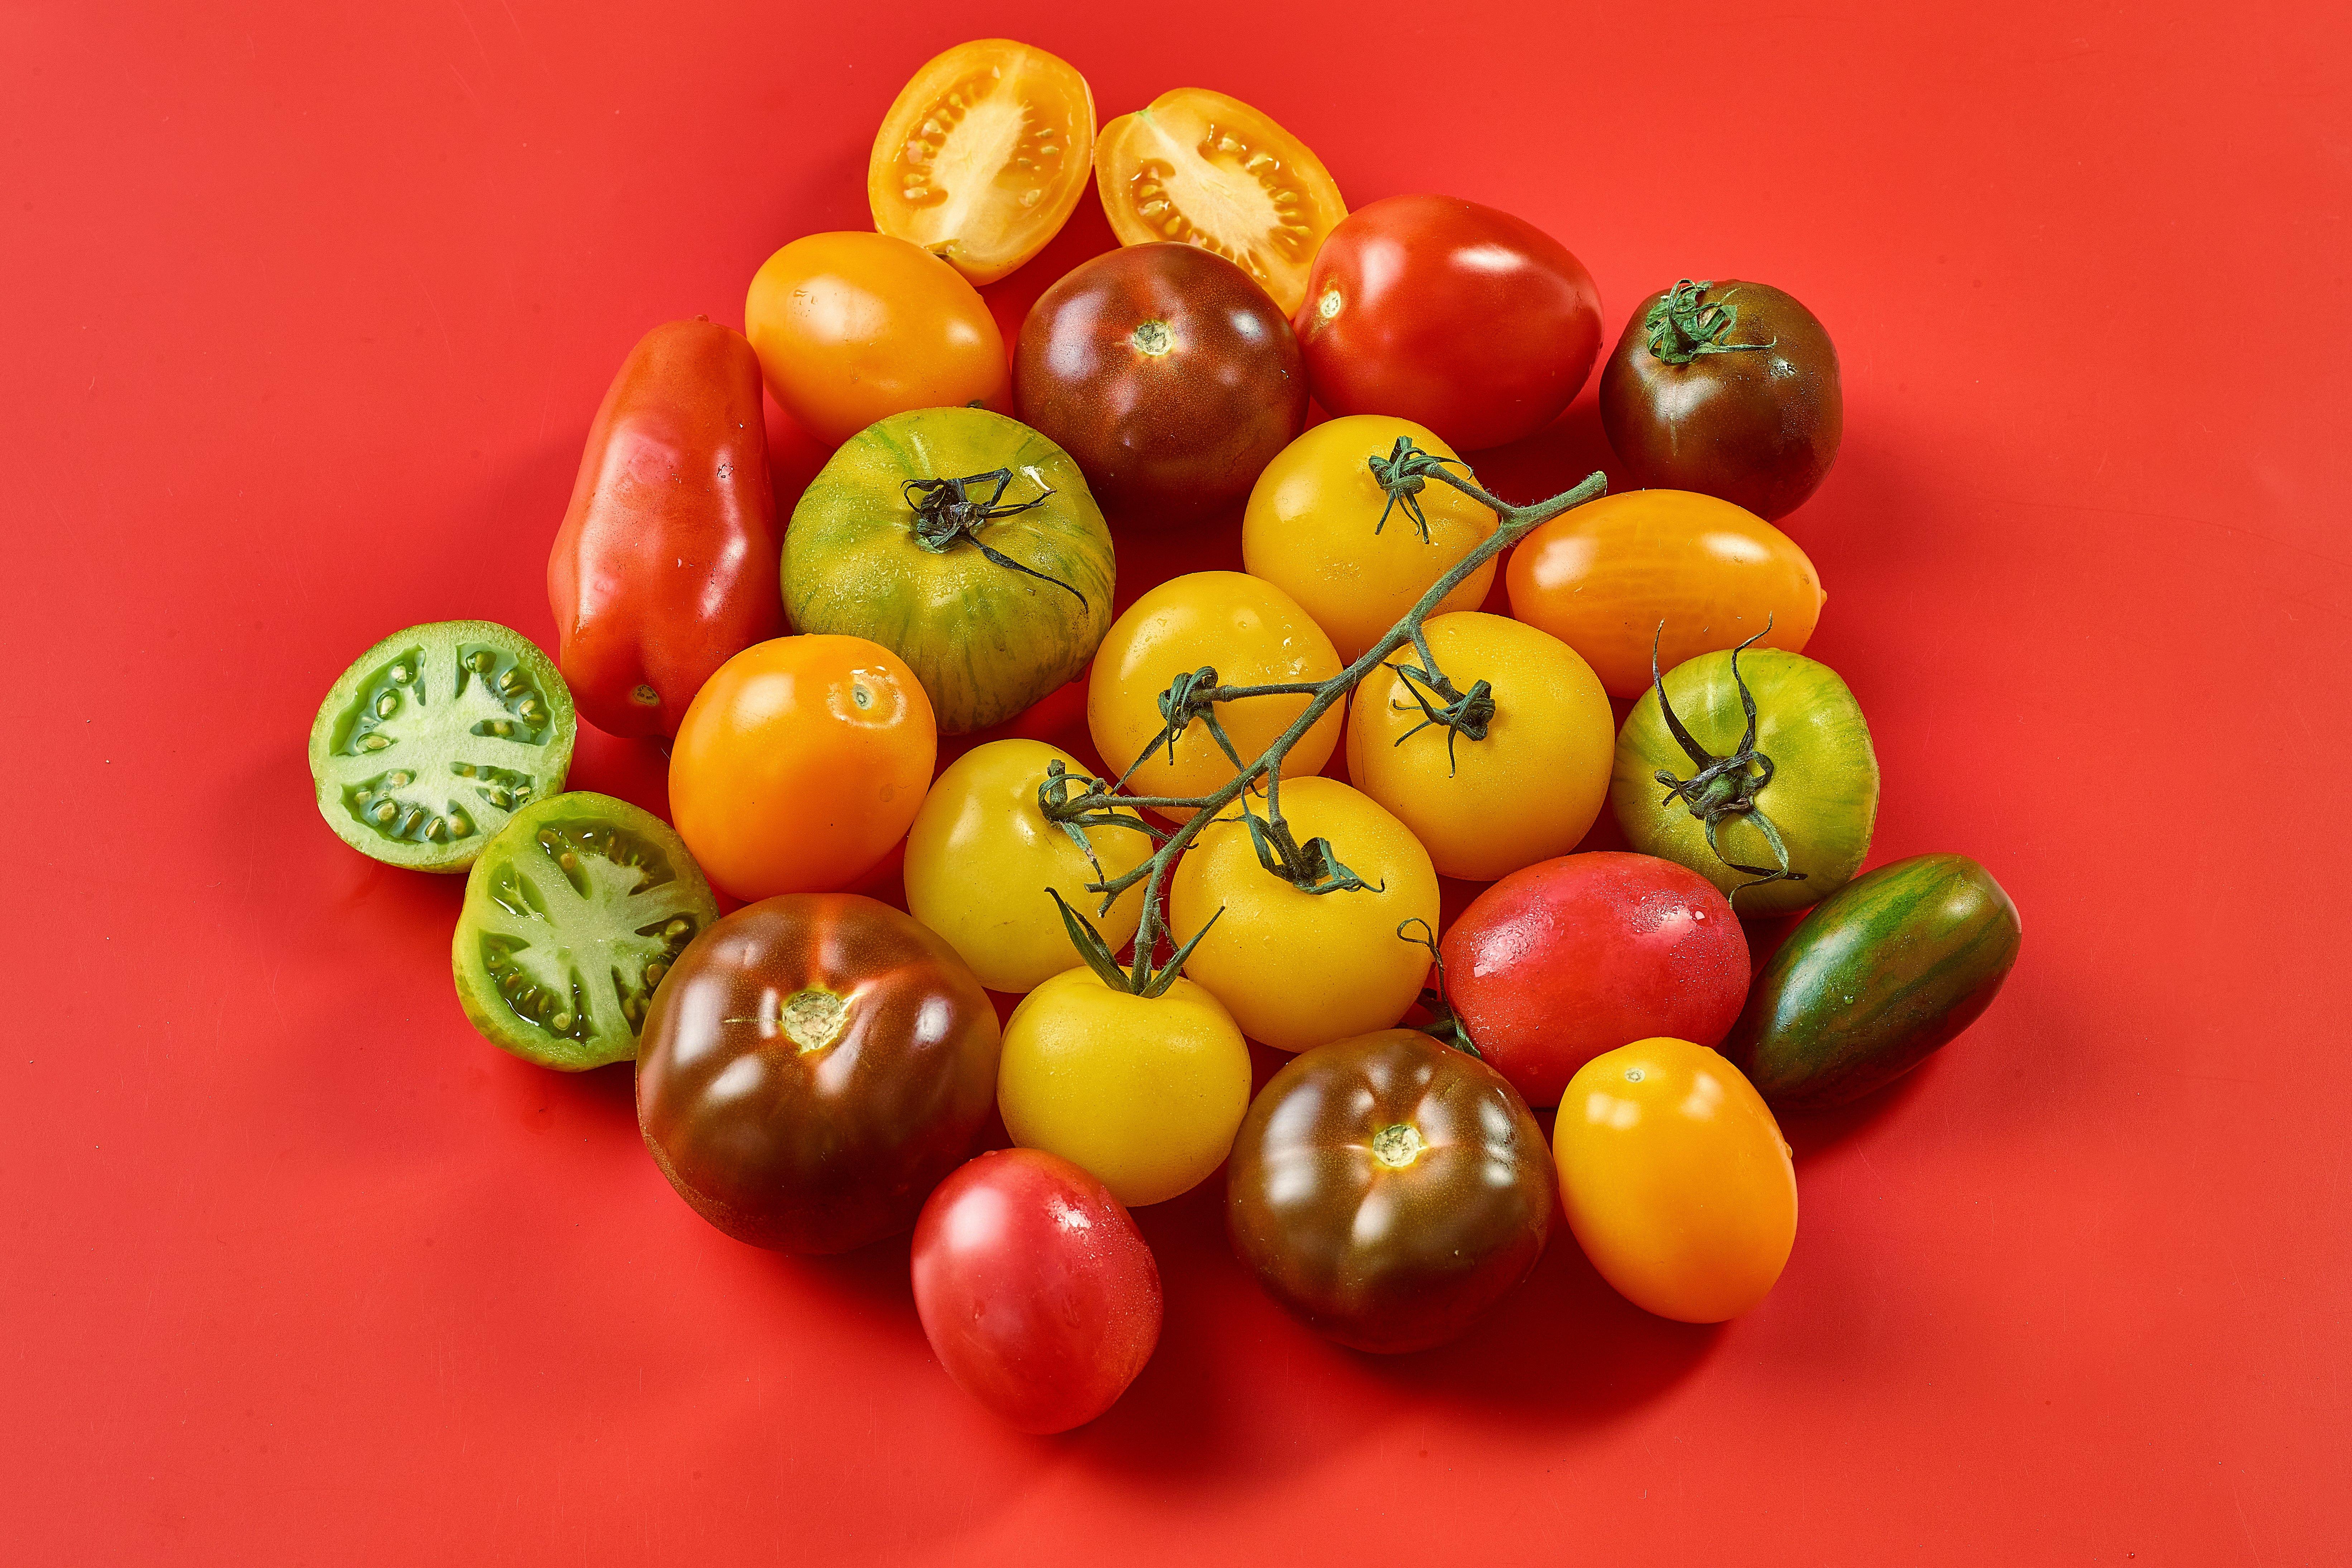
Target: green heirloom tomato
point(573, 914)
point(1881, 974)
point(434, 736)
point(1772, 802)
point(982, 855)
point(965, 543)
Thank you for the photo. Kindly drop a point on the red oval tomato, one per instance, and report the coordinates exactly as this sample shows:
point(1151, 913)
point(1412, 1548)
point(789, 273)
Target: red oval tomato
point(1571, 957)
point(1036, 1289)
point(1473, 322)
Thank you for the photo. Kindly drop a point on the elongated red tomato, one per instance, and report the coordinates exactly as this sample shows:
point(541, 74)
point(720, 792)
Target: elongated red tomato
point(666, 565)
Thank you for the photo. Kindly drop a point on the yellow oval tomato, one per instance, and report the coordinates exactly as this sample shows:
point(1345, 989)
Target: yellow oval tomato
point(1677, 1180)
point(1249, 632)
point(800, 763)
point(1526, 792)
point(852, 328)
point(1320, 528)
point(981, 854)
point(1210, 170)
point(1605, 577)
point(983, 155)
point(1145, 1092)
point(1298, 968)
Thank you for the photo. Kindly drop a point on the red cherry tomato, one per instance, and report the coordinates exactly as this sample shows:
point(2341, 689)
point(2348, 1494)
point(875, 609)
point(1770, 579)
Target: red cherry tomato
point(1470, 321)
point(1571, 957)
point(666, 565)
point(1036, 1289)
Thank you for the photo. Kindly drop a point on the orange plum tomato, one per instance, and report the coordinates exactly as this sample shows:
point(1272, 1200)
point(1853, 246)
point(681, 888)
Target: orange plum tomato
point(1511, 775)
point(1250, 633)
point(1321, 528)
point(799, 764)
point(1677, 1180)
point(852, 328)
point(1298, 969)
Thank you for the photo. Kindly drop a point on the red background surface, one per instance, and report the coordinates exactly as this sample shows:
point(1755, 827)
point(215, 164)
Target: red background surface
point(307, 308)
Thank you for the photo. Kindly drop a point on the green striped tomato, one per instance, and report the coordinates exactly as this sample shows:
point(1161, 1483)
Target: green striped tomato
point(995, 593)
point(1880, 975)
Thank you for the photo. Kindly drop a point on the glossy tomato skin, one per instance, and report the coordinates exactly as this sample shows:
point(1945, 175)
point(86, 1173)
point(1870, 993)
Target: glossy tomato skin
point(1571, 958)
point(810, 1069)
point(1758, 426)
point(660, 572)
point(931, 181)
point(851, 328)
point(1037, 1293)
point(1468, 320)
point(799, 764)
point(1676, 1180)
point(1684, 572)
point(1387, 1190)
point(1167, 374)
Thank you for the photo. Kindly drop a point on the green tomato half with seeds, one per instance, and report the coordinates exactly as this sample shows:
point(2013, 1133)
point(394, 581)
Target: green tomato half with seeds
point(1774, 805)
point(434, 736)
point(573, 914)
point(965, 543)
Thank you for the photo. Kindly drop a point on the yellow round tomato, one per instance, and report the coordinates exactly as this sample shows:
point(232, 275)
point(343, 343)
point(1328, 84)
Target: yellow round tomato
point(1525, 793)
point(1252, 634)
point(1677, 1180)
point(1298, 968)
point(1145, 1092)
point(1694, 572)
point(851, 328)
point(1315, 529)
point(981, 854)
point(800, 763)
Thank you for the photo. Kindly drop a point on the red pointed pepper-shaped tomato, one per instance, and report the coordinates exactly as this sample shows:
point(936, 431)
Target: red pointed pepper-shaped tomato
point(666, 565)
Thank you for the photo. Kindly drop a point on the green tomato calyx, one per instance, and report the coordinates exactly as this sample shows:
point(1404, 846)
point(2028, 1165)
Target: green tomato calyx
point(1684, 324)
point(1724, 786)
point(1401, 475)
point(1444, 1024)
point(946, 510)
point(1461, 712)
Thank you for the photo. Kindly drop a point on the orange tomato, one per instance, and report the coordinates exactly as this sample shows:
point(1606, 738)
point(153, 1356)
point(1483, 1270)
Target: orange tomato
point(1604, 576)
point(799, 764)
point(1211, 170)
point(1676, 1179)
point(853, 327)
point(983, 157)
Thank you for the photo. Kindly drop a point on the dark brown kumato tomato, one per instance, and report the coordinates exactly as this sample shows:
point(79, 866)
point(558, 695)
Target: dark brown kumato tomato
point(812, 1066)
point(1167, 374)
point(1388, 1189)
point(1729, 389)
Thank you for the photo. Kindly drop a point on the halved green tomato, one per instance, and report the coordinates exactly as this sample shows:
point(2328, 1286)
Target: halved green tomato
point(573, 914)
point(434, 736)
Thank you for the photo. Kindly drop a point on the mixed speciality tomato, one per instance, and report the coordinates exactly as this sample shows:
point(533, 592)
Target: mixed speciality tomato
point(814, 1070)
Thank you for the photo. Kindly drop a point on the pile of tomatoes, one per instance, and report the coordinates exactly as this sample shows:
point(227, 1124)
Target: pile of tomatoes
point(815, 1067)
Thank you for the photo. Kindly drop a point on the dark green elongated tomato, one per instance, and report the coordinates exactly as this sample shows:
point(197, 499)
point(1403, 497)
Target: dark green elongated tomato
point(434, 736)
point(573, 914)
point(1877, 977)
point(1729, 389)
point(811, 1067)
point(1773, 803)
point(1388, 1189)
point(967, 544)
point(659, 573)
point(1167, 374)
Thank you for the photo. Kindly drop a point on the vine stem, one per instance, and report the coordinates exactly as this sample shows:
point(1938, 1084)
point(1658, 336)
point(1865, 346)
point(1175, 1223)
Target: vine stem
point(1400, 472)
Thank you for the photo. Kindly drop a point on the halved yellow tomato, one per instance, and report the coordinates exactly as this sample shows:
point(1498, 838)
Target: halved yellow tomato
point(1211, 170)
point(984, 156)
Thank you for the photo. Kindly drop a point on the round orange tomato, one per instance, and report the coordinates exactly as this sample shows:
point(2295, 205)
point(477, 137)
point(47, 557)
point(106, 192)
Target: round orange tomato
point(1604, 577)
point(1676, 1179)
point(1321, 528)
point(1252, 634)
point(983, 155)
point(799, 764)
point(852, 328)
point(1211, 170)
